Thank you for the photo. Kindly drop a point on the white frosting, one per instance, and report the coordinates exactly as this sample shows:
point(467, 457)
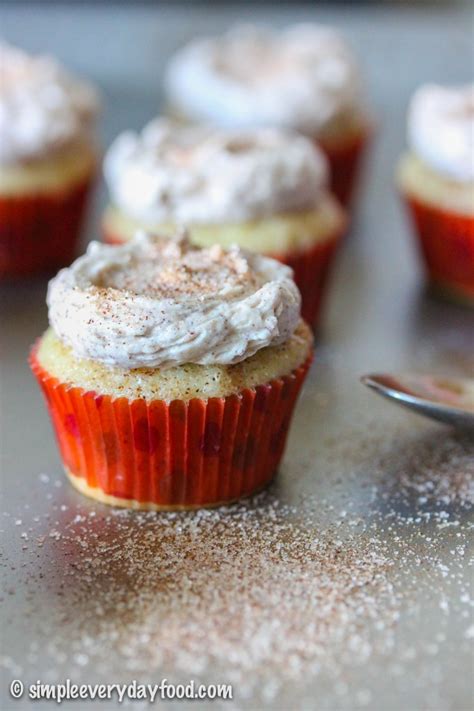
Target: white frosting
point(301, 78)
point(441, 129)
point(42, 108)
point(189, 175)
point(159, 302)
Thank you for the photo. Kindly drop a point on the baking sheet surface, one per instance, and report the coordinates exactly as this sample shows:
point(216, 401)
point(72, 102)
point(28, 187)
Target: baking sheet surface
point(347, 584)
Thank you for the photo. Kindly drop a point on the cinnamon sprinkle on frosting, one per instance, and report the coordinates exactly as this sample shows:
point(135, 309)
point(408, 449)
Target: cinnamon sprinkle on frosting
point(163, 302)
point(203, 175)
point(42, 107)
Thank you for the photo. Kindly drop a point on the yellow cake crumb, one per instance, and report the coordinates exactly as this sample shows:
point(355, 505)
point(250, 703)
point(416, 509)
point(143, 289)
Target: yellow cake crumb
point(59, 171)
point(419, 181)
point(183, 382)
point(278, 234)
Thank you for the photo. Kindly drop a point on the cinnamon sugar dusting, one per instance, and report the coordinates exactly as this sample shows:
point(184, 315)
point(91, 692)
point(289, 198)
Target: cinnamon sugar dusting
point(172, 268)
point(302, 77)
point(175, 174)
point(161, 302)
point(42, 107)
point(266, 595)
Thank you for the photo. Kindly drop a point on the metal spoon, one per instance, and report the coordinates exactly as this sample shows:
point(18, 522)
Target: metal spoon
point(448, 400)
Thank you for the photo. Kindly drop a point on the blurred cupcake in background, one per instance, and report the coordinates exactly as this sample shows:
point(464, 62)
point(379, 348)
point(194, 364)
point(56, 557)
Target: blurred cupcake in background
point(303, 78)
point(262, 189)
point(436, 178)
point(48, 159)
point(171, 372)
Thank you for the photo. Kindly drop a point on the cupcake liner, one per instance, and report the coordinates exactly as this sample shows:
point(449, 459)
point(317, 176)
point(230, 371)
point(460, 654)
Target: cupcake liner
point(344, 166)
point(176, 455)
point(40, 232)
point(311, 267)
point(446, 241)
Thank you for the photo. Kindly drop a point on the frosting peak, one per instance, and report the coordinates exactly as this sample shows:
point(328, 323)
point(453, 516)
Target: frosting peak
point(441, 129)
point(42, 107)
point(160, 302)
point(171, 173)
point(301, 78)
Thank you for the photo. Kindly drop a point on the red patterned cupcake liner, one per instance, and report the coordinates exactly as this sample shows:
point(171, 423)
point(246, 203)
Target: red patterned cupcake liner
point(446, 240)
point(344, 166)
point(176, 455)
point(40, 232)
point(311, 267)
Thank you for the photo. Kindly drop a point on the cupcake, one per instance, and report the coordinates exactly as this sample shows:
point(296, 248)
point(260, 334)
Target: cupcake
point(263, 189)
point(303, 78)
point(47, 161)
point(436, 179)
point(171, 371)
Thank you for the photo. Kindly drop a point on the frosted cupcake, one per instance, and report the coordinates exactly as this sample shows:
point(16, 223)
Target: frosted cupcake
point(47, 161)
point(303, 78)
point(263, 189)
point(171, 372)
point(436, 178)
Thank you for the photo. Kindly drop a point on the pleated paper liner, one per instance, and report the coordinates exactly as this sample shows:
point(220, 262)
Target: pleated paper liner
point(40, 232)
point(345, 162)
point(176, 455)
point(446, 242)
point(311, 269)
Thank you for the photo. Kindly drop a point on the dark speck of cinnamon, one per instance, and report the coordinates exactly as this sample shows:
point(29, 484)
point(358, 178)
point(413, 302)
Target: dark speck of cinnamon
point(161, 271)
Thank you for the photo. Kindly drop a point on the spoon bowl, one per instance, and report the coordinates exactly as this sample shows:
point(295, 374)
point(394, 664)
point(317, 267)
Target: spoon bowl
point(447, 400)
